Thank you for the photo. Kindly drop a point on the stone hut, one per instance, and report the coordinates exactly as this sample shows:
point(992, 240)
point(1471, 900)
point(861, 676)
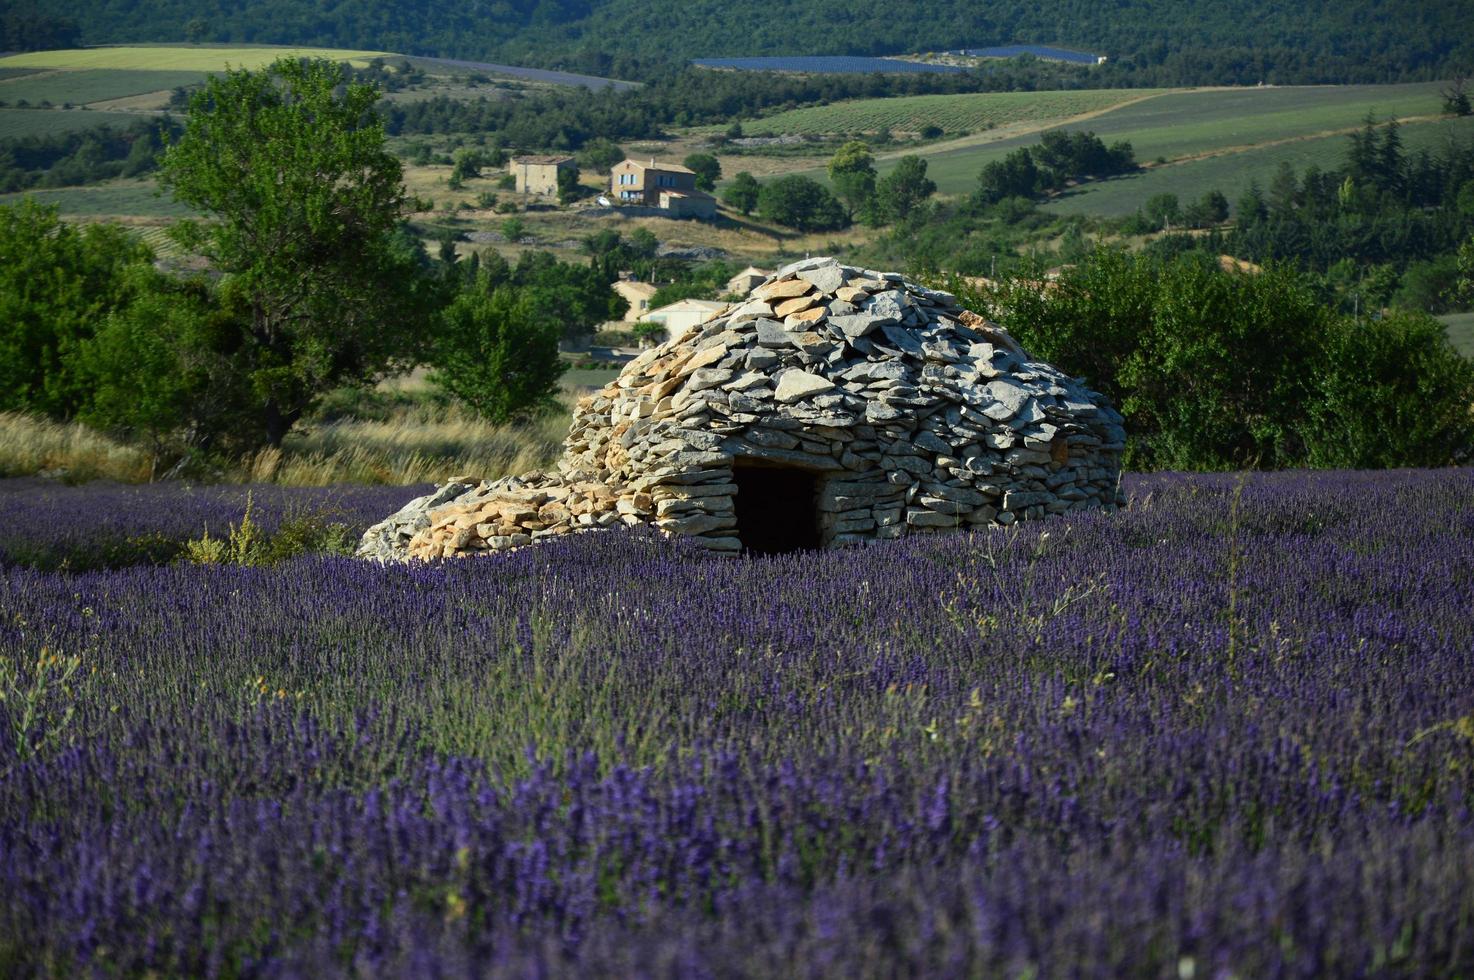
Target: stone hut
point(834, 405)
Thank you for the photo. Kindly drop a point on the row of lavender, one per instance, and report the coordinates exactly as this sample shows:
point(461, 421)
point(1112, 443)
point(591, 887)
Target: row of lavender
point(1227, 731)
point(104, 525)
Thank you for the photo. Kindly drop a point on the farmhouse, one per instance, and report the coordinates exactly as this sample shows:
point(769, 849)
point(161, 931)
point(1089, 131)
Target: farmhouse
point(745, 281)
point(682, 315)
point(668, 186)
point(538, 174)
point(637, 295)
point(835, 405)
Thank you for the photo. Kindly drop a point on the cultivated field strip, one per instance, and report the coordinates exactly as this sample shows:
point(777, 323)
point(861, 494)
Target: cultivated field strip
point(952, 113)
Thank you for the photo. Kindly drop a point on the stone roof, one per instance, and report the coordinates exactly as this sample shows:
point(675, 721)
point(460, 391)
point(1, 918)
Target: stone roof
point(909, 413)
point(548, 160)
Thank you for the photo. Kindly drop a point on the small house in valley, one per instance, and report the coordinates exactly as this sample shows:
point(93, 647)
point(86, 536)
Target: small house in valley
point(668, 186)
point(747, 280)
point(538, 174)
point(637, 295)
point(680, 316)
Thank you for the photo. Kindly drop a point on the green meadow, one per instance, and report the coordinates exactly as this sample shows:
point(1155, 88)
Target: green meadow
point(20, 123)
point(131, 198)
point(1232, 172)
point(83, 86)
point(1460, 331)
point(1189, 124)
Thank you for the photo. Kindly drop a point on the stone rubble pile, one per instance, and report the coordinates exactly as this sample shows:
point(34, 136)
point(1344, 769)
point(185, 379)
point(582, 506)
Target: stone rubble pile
point(912, 413)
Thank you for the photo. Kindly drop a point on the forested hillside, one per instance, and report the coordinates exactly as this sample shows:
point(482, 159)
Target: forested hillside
point(1148, 41)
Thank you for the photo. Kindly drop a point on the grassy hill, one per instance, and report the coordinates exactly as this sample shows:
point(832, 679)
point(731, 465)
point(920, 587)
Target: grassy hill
point(1181, 125)
point(1179, 40)
point(1191, 140)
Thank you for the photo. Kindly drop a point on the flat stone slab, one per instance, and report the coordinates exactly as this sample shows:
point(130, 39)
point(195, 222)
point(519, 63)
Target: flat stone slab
point(797, 385)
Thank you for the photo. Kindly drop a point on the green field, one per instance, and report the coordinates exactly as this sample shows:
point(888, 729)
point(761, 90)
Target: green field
point(1183, 124)
point(91, 85)
point(952, 113)
point(133, 198)
point(179, 57)
point(18, 123)
point(1460, 331)
point(1232, 173)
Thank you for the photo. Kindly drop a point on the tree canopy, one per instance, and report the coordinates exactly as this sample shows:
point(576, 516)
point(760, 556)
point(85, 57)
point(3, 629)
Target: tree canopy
point(303, 202)
point(801, 203)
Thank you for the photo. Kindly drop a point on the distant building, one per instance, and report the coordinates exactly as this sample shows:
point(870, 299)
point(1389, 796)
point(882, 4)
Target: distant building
point(668, 186)
point(637, 295)
point(747, 280)
point(538, 174)
point(683, 314)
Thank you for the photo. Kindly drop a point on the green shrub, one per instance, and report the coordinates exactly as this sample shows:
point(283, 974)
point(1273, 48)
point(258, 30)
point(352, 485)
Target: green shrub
point(1215, 370)
point(246, 544)
point(498, 352)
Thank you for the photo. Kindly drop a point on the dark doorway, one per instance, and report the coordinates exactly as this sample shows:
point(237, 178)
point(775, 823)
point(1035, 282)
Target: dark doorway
point(777, 508)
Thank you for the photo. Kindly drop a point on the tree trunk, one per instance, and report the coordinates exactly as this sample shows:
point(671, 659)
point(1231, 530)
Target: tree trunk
point(279, 423)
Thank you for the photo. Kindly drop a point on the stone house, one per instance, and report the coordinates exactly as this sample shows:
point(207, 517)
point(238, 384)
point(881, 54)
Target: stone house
point(684, 314)
point(668, 186)
point(835, 405)
point(538, 174)
point(637, 295)
point(747, 280)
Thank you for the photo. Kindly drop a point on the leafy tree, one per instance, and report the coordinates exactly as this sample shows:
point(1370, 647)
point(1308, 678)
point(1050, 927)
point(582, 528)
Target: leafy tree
point(902, 191)
point(1212, 208)
point(290, 164)
point(467, 166)
point(576, 298)
point(1013, 176)
point(801, 203)
point(599, 155)
point(852, 172)
point(160, 370)
point(1455, 98)
point(1428, 286)
point(56, 283)
point(1217, 371)
point(742, 193)
point(1162, 210)
point(1389, 392)
point(497, 351)
point(569, 189)
point(1464, 286)
point(708, 171)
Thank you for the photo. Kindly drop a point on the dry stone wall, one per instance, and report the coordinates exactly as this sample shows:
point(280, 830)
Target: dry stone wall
point(909, 413)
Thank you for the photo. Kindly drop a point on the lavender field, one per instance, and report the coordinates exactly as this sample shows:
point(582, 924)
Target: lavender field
point(1228, 731)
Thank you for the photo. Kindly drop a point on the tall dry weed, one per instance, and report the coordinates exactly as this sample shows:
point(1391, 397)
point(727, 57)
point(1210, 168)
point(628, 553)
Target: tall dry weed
point(413, 446)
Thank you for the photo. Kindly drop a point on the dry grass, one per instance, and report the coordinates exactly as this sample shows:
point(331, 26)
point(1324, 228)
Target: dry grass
point(29, 446)
point(415, 446)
